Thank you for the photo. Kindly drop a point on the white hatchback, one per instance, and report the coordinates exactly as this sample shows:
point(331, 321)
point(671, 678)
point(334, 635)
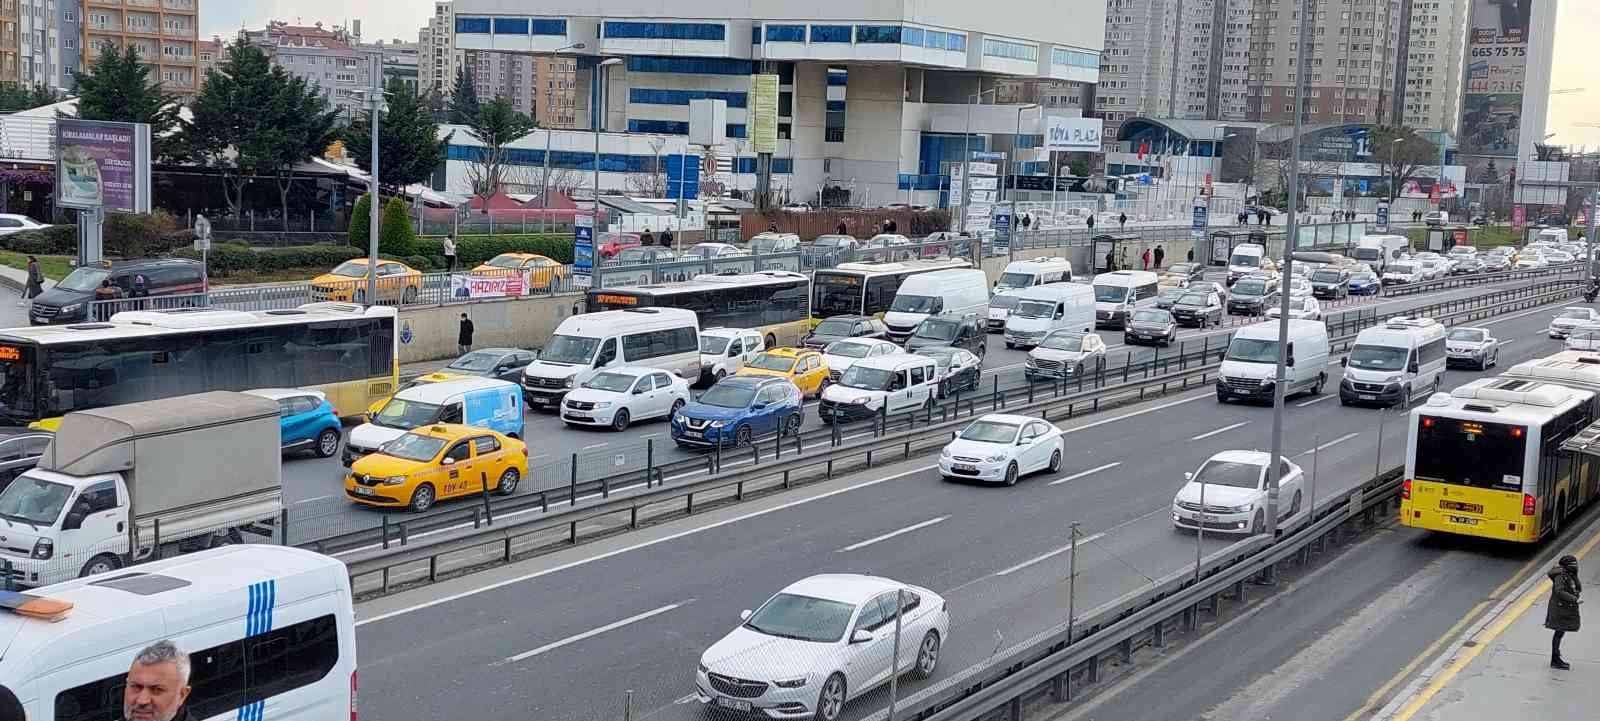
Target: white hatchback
point(1229, 493)
point(617, 397)
point(820, 642)
point(1002, 448)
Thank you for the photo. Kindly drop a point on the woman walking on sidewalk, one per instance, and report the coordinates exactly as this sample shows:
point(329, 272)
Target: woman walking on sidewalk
point(1562, 615)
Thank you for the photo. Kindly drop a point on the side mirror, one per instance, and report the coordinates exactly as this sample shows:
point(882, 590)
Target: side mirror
point(954, 435)
point(1411, 367)
point(74, 521)
point(1188, 475)
point(758, 406)
point(1289, 362)
point(861, 635)
point(1344, 362)
point(745, 615)
point(638, 391)
point(447, 461)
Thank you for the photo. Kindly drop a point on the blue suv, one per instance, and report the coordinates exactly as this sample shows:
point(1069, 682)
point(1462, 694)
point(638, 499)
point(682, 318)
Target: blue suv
point(306, 420)
point(737, 410)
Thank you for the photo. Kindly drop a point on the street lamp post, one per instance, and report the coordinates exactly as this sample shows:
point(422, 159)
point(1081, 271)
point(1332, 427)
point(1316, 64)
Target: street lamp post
point(599, 120)
point(374, 106)
point(966, 161)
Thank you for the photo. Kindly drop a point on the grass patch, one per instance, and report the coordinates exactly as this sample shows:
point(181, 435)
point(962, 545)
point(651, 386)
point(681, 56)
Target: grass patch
point(54, 267)
point(1487, 237)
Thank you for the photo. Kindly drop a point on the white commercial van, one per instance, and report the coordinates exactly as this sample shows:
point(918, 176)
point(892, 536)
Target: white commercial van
point(958, 291)
point(662, 338)
point(1252, 360)
point(1049, 307)
point(1119, 293)
point(1029, 273)
point(892, 384)
point(482, 402)
point(1394, 362)
point(1378, 251)
point(1556, 236)
point(269, 630)
point(1247, 258)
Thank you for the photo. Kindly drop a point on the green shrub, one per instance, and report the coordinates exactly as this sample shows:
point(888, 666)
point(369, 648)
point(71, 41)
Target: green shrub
point(396, 238)
point(421, 262)
point(54, 240)
point(474, 249)
point(142, 235)
point(361, 222)
point(230, 258)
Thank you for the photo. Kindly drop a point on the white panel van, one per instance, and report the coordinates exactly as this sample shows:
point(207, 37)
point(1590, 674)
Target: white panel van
point(1045, 308)
point(1119, 293)
point(1252, 361)
point(1391, 363)
point(666, 339)
point(1378, 251)
point(1029, 273)
point(958, 291)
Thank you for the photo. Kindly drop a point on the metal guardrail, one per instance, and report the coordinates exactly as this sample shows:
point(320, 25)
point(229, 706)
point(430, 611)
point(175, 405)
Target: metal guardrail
point(463, 547)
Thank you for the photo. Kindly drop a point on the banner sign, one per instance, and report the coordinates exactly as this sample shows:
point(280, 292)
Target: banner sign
point(508, 285)
point(1073, 134)
point(1202, 219)
point(983, 169)
point(763, 113)
point(103, 165)
point(582, 250)
point(1383, 216)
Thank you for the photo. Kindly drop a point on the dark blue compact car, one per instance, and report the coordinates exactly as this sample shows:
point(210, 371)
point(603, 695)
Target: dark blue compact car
point(738, 410)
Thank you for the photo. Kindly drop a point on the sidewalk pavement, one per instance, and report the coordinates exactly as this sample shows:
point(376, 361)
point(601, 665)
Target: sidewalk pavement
point(1501, 669)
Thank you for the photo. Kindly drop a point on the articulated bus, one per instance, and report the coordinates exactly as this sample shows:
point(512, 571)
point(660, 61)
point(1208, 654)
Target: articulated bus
point(1493, 459)
point(348, 352)
point(775, 302)
point(867, 288)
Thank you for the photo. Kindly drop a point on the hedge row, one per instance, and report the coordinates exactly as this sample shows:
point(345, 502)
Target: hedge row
point(226, 259)
point(474, 249)
point(126, 236)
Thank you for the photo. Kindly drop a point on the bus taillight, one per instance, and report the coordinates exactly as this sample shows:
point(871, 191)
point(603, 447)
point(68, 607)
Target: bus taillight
point(1405, 490)
point(1527, 504)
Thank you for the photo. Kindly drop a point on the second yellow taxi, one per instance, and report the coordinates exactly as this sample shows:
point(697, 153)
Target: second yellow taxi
point(802, 367)
point(437, 462)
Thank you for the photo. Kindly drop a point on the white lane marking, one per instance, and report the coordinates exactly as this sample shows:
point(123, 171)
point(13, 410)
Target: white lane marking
point(525, 655)
point(1126, 416)
point(1330, 444)
point(595, 445)
point(685, 699)
point(1048, 556)
point(318, 498)
point(1318, 399)
point(642, 544)
point(1223, 429)
point(1081, 474)
point(537, 457)
point(892, 534)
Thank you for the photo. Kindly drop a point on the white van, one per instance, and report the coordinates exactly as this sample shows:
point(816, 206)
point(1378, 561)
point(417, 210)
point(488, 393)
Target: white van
point(662, 338)
point(724, 351)
point(1378, 251)
point(1049, 307)
point(897, 383)
point(1394, 362)
point(1247, 258)
point(1252, 359)
point(958, 291)
point(269, 623)
point(482, 402)
point(1119, 293)
point(1554, 236)
point(1029, 273)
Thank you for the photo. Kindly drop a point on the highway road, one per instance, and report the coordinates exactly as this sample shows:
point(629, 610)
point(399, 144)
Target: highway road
point(314, 488)
point(634, 612)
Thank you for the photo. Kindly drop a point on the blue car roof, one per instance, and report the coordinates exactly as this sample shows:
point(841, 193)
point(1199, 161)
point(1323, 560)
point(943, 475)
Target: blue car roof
point(747, 381)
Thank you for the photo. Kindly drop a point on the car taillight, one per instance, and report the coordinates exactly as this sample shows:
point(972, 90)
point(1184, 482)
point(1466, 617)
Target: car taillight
point(335, 412)
point(1527, 504)
point(524, 451)
point(353, 686)
point(1405, 490)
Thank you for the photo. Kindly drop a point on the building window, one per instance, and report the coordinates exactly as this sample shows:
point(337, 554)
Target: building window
point(786, 33)
point(695, 66)
point(830, 33)
point(549, 27)
point(472, 25)
point(511, 26)
point(666, 31)
point(1009, 50)
point(682, 97)
point(878, 34)
point(1074, 58)
point(912, 37)
point(957, 42)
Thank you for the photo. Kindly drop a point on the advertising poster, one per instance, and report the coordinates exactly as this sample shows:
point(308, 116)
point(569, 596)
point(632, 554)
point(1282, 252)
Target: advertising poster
point(510, 285)
point(763, 113)
point(582, 251)
point(103, 165)
point(1496, 66)
point(1073, 134)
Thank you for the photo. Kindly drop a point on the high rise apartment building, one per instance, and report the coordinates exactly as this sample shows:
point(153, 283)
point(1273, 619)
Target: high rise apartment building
point(540, 86)
point(164, 32)
point(331, 58)
point(1428, 84)
point(438, 58)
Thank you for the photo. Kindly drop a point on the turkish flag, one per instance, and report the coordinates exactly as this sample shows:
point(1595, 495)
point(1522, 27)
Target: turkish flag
point(1144, 149)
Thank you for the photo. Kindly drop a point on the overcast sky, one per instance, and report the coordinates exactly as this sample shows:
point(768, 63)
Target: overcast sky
point(1577, 25)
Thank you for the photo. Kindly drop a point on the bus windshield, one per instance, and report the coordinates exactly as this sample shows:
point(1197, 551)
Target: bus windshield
point(1378, 358)
point(1109, 293)
point(1368, 254)
point(1245, 261)
point(1014, 280)
point(1470, 453)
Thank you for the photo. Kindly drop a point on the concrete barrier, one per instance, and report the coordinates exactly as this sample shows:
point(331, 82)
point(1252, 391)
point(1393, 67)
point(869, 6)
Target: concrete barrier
point(430, 333)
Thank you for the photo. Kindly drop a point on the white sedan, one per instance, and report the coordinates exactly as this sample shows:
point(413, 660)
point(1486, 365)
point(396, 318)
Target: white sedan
point(13, 223)
point(1300, 308)
point(620, 396)
point(1229, 493)
point(841, 354)
point(1002, 448)
point(820, 642)
point(1572, 317)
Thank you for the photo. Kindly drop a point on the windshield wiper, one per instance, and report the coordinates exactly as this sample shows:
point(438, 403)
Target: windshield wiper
point(9, 518)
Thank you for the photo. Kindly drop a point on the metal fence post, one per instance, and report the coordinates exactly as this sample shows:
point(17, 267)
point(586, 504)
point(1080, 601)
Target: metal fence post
point(283, 527)
point(650, 461)
point(488, 508)
point(572, 485)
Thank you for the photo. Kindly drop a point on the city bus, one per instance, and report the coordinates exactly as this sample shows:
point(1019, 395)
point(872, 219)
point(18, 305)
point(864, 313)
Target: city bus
point(775, 302)
point(348, 352)
point(1488, 460)
point(867, 288)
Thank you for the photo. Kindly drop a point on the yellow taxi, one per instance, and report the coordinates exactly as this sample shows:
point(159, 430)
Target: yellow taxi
point(397, 282)
point(543, 271)
point(802, 367)
point(421, 380)
point(437, 462)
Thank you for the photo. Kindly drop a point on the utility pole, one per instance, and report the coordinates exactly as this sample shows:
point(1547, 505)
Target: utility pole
point(374, 105)
point(1072, 579)
point(1307, 13)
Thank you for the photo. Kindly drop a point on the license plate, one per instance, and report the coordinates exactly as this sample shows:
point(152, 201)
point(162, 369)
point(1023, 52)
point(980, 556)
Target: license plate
point(963, 467)
point(1463, 520)
point(733, 704)
point(1366, 397)
point(578, 416)
point(363, 491)
point(1458, 506)
point(695, 434)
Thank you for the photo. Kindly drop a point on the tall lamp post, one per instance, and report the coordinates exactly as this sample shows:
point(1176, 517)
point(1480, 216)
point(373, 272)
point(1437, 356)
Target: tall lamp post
point(599, 120)
point(966, 159)
point(374, 103)
point(1011, 162)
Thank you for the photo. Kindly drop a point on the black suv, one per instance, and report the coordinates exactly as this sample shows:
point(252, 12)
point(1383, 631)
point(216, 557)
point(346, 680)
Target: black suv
point(841, 327)
point(956, 331)
point(71, 300)
point(1330, 283)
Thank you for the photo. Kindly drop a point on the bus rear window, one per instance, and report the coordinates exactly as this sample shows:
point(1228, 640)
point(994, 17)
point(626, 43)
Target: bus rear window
point(1471, 453)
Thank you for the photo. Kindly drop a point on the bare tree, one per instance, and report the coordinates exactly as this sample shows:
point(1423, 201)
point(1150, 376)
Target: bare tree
point(648, 185)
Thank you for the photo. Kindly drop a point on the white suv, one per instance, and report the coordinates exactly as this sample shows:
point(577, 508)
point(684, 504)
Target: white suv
point(1229, 494)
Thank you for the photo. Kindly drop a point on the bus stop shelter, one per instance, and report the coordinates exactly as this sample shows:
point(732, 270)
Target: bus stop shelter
point(1106, 249)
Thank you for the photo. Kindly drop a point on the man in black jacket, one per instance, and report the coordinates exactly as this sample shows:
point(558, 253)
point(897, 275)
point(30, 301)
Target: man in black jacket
point(157, 685)
point(464, 336)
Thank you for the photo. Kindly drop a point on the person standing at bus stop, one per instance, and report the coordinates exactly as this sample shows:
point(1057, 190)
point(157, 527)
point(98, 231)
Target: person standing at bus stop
point(1562, 615)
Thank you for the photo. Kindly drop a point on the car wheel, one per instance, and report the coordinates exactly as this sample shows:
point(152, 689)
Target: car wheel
point(1011, 474)
point(742, 436)
point(1055, 460)
point(327, 442)
point(718, 376)
point(927, 656)
point(677, 405)
point(1322, 380)
point(791, 427)
point(409, 296)
point(508, 482)
point(1010, 345)
point(770, 342)
point(422, 498)
point(619, 422)
point(1077, 370)
point(1259, 523)
point(103, 563)
point(830, 702)
point(1294, 506)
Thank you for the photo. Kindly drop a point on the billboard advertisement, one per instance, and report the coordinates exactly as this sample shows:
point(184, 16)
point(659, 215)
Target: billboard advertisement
point(101, 165)
point(582, 250)
point(1496, 66)
point(763, 113)
point(510, 285)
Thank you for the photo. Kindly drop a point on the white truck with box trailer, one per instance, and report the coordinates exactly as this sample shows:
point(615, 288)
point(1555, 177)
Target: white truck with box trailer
point(125, 484)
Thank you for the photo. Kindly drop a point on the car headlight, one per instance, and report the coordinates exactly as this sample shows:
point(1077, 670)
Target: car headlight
point(996, 458)
point(860, 401)
point(72, 308)
point(945, 452)
point(1241, 508)
point(603, 404)
point(795, 682)
point(44, 549)
point(394, 480)
point(718, 424)
point(703, 668)
point(568, 383)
